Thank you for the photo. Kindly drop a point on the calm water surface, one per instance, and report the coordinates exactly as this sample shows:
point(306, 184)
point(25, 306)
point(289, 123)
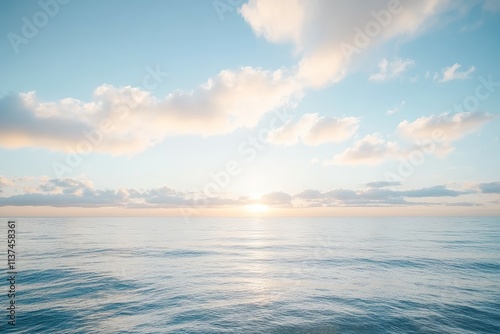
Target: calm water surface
point(211, 275)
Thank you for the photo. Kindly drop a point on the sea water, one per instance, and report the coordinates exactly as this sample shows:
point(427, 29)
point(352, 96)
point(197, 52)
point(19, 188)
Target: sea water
point(255, 275)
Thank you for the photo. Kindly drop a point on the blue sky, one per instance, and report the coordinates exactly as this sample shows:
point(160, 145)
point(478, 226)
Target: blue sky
point(406, 123)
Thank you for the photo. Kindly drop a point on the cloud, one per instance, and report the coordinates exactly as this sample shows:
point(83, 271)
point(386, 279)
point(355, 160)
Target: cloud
point(462, 204)
point(370, 150)
point(322, 30)
point(314, 130)
point(391, 70)
point(163, 197)
point(66, 186)
point(489, 188)
point(374, 196)
point(382, 184)
point(444, 128)
point(436, 191)
point(491, 5)
point(452, 73)
point(80, 192)
point(429, 134)
point(276, 198)
point(396, 109)
point(68, 192)
point(4, 182)
point(309, 194)
point(134, 120)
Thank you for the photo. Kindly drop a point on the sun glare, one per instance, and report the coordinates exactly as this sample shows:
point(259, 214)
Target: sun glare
point(257, 208)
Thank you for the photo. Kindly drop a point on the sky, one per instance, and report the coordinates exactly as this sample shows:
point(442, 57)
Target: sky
point(249, 108)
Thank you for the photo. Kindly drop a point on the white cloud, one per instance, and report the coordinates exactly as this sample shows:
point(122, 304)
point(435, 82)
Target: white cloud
point(442, 130)
point(447, 127)
point(314, 130)
point(452, 73)
point(391, 70)
point(322, 30)
point(431, 134)
point(224, 103)
point(371, 150)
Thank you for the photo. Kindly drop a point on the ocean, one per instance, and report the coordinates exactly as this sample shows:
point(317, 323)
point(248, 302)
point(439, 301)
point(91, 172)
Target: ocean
point(255, 275)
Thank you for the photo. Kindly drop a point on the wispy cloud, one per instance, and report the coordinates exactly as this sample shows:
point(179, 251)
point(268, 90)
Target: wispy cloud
point(452, 73)
point(382, 184)
point(391, 70)
point(447, 127)
point(313, 129)
point(396, 109)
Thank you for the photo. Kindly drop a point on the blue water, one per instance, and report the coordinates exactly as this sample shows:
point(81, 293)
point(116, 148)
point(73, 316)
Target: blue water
point(212, 275)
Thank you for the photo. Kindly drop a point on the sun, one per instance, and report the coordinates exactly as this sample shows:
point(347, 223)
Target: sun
point(257, 208)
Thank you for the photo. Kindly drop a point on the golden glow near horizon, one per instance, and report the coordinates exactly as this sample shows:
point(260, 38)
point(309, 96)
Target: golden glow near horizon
point(257, 208)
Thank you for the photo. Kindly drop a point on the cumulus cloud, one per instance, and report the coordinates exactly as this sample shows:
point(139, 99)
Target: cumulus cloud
point(391, 70)
point(370, 150)
point(127, 120)
point(314, 130)
point(433, 134)
point(452, 73)
point(326, 34)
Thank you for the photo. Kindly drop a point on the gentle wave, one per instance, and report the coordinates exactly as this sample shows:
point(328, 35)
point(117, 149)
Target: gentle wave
point(258, 276)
